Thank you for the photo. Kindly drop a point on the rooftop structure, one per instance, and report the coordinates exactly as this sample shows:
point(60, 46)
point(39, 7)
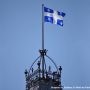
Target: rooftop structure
point(41, 78)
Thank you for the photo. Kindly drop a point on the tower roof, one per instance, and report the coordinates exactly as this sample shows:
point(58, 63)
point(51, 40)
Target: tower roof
point(43, 77)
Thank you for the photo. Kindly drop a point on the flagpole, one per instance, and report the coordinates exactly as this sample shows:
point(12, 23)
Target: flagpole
point(43, 50)
point(42, 26)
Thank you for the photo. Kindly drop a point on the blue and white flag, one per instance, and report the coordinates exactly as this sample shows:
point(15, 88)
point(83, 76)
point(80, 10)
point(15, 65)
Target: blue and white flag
point(53, 16)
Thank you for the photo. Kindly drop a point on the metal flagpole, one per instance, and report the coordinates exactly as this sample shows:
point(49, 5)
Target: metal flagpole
point(42, 26)
point(43, 50)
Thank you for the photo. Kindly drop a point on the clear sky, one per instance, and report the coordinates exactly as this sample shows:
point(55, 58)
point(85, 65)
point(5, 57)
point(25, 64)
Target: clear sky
point(20, 40)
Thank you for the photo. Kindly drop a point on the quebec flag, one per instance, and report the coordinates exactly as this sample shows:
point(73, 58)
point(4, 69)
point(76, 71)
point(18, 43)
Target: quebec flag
point(53, 16)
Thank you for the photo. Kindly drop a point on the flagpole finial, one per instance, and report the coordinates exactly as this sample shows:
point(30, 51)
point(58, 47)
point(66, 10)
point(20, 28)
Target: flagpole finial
point(42, 4)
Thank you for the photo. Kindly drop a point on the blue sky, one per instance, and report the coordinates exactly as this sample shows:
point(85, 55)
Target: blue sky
point(20, 40)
